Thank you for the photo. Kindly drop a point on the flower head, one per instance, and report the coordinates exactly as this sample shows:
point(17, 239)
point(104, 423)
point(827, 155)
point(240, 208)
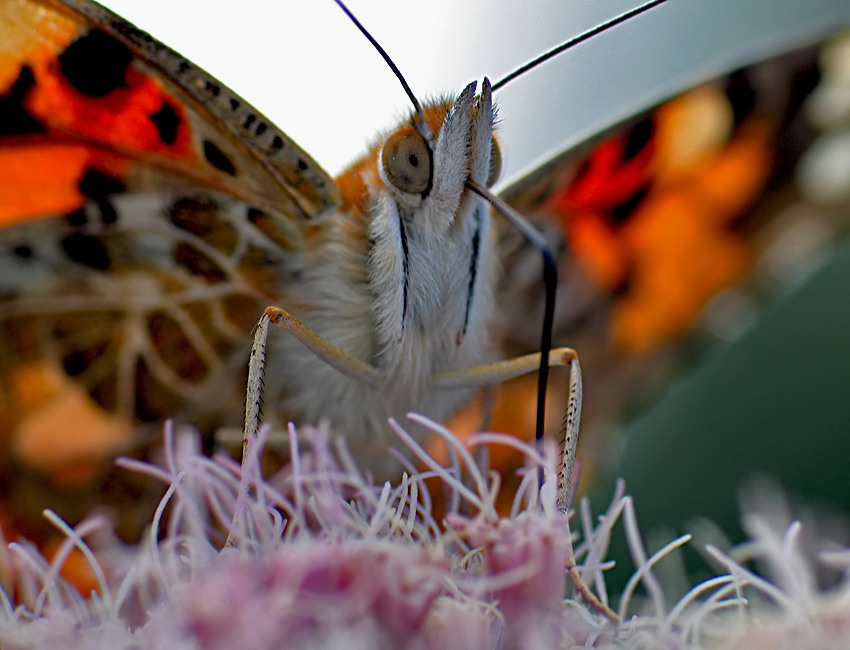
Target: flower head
point(319, 557)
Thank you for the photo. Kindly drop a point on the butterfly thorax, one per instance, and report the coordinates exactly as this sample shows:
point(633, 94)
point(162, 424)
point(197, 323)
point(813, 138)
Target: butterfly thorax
point(402, 276)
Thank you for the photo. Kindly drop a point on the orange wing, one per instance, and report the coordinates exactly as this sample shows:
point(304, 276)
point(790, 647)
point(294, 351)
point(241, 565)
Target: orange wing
point(147, 215)
point(84, 92)
point(655, 224)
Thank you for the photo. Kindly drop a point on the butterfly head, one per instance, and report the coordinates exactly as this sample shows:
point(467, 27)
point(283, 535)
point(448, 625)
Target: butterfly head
point(427, 236)
point(425, 177)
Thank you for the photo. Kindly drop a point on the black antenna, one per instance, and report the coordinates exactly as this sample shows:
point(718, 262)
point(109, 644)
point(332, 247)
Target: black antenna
point(421, 124)
point(566, 45)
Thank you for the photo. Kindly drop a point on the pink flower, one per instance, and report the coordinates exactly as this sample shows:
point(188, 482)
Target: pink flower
point(321, 558)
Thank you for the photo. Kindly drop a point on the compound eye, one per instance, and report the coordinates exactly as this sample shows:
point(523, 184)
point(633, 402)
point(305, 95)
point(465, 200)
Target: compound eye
point(407, 162)
point(495, 163)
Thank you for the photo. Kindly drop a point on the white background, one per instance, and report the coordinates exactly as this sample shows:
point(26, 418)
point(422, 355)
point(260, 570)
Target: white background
point(309, 70)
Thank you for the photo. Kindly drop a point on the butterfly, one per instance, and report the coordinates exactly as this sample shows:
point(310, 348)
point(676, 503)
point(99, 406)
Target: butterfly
point(137, 303)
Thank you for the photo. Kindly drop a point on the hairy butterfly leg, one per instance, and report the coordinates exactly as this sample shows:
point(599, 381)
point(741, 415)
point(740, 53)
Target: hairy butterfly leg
point(489, 374)
point(322, 348)
point(483, 375)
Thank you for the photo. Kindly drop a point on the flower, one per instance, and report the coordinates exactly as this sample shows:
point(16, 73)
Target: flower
point(319, 557)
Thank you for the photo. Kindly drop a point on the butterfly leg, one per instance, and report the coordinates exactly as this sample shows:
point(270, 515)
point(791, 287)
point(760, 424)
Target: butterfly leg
point(569, 435)
point(493, 373)
point(489, 374)
point(480, 375)
point(322, 348)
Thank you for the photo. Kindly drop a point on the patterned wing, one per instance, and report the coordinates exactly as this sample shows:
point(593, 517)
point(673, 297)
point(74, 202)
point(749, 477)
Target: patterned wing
point(658, 222)
point(148, 216)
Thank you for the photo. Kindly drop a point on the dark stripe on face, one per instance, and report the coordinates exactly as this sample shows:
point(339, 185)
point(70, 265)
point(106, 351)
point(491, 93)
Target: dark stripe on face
point(473, 269)
point(405, 270)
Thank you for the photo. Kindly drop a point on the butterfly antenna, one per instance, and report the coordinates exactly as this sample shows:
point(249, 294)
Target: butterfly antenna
point(421, 124)
point(613, 22)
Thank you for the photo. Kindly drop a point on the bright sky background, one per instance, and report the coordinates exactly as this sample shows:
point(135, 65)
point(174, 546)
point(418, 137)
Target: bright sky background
point(309, 70)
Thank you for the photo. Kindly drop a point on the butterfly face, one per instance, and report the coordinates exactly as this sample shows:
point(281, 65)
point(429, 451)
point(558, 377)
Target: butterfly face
point(403, 276)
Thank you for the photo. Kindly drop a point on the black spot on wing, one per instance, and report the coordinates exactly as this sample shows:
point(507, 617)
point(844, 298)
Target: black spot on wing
point(88, 250)
point(78, 361)
point(23, 252)
point(14, 118)
point(218, 159)
point(74, 363)
point(96, 64)
point(166, 120)
point(204, 219)
point(192, 215)
point(108, 214)
point(198, 263)
point(621, 212)
point(96, 185)
point(77, 218)
point(639, 136)
point(742, 95)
